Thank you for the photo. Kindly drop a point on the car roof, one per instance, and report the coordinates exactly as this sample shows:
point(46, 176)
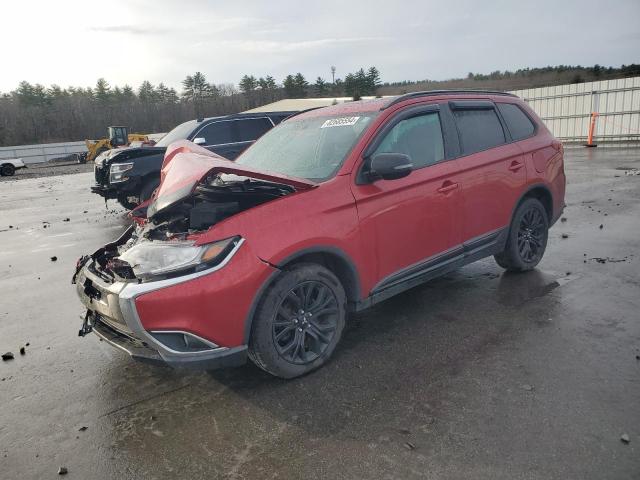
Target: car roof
point(377, 104)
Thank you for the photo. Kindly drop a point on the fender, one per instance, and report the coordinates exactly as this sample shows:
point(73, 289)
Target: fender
point(349, 271)
point(529, 189)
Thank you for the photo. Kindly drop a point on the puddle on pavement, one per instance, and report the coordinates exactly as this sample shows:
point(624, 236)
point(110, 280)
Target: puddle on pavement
point(516, 289)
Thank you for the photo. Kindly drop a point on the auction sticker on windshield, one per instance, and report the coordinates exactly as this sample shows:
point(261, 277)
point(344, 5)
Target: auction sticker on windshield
point(340, 122)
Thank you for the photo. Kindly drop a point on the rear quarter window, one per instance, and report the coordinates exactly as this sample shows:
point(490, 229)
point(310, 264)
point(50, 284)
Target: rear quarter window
point(520, 125)
point(479, 129)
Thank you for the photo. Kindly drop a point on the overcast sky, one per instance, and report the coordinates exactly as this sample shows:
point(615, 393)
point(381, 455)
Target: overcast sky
point(74, 42)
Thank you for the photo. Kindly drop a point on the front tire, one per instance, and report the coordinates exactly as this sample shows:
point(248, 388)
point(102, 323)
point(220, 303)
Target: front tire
point(298, 322)
point(527, 241)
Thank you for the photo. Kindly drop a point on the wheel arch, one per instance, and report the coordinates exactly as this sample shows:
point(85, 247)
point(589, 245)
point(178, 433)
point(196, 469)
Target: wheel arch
point(330, 257)
point(543, 194)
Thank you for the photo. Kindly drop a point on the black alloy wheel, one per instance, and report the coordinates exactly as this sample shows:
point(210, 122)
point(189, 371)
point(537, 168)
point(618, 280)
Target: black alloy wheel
point(298, 321)
point(305, 322)
point(531, 235)
point(526, 238)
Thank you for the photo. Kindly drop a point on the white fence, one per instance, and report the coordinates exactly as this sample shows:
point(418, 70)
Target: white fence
point(566, 109)
point(43, 152)
point(46, 152)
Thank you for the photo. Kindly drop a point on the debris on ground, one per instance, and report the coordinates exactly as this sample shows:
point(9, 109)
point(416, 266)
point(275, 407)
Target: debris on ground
point(54, 259)
point(409, 446)
point(601, 226)
point(563, 219)
point(7, 356)
point(608, 259)
point(624, 438)
point(83, 428)
point(565, 235)
point(66, 219)
point(63, 471)
point(22, 351)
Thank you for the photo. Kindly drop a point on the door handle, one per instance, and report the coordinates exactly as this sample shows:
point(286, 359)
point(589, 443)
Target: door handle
point(447, 187)
point(515, 166)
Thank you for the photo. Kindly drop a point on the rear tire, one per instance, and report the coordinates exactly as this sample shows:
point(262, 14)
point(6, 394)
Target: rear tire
point(527, 240)
point(298, 322)
point(7, 170)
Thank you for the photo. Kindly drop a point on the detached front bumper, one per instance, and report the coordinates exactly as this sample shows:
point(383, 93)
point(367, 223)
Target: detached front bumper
point(114, 317)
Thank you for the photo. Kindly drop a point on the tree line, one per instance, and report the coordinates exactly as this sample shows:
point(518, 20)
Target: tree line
point(33, 113)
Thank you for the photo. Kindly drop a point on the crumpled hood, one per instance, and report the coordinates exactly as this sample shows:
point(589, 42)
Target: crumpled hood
point(187, 164)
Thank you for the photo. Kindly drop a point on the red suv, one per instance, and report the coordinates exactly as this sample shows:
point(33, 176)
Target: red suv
point(334, 210)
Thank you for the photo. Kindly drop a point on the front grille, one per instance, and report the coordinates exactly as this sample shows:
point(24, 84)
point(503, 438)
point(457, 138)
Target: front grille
point(100, 172)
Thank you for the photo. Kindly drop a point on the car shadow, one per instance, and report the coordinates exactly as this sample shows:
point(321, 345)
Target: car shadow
point(396, 358)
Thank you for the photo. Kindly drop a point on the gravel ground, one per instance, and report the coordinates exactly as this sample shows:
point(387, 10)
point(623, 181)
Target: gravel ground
point(48, 170)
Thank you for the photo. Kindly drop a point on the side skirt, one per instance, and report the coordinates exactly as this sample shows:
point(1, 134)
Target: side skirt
point(433, 267)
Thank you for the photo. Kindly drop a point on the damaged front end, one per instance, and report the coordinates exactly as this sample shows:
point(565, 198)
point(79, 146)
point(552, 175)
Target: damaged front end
point(161, 250)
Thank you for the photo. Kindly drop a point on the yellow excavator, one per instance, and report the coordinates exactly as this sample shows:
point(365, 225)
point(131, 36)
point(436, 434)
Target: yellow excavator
point(118, 136)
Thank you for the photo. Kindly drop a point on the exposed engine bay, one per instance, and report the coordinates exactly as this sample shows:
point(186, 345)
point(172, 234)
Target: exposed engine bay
point(216, 198)
point(212, 201)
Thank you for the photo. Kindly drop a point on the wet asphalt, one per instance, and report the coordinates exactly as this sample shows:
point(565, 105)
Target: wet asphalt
point(479, 374)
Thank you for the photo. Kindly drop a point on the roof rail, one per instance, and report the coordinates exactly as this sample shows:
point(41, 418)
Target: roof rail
point(294, 114)
point(430, 93)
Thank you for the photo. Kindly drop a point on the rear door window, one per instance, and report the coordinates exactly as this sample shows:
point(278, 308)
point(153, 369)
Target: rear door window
point(419, 137)
point(479, 129)
point(217, 133)
point(251, 129)
point(519, 125)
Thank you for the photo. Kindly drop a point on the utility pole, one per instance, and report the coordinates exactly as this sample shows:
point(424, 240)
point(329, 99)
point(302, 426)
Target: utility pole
point(333, 74)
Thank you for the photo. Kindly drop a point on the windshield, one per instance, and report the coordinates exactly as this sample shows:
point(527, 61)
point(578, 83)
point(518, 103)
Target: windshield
point(181, 132)
point(312, 148)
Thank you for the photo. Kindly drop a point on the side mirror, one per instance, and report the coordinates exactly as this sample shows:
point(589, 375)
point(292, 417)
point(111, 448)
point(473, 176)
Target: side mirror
point(390, 166)
point(200, 141)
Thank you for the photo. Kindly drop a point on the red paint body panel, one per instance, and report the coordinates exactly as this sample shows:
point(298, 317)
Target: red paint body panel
point(408, 220)
point(490, 190)
point(382, 227)
point(214, 306)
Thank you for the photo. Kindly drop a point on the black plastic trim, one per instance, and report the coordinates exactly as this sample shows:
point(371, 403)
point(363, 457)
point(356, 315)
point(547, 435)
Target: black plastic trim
point(433, 267)
point(431, 93)
point(471, 104)
point(528, 191)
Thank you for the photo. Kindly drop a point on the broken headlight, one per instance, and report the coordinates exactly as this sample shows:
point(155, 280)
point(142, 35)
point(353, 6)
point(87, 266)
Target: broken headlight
point(117, 172)
point(162, 259)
